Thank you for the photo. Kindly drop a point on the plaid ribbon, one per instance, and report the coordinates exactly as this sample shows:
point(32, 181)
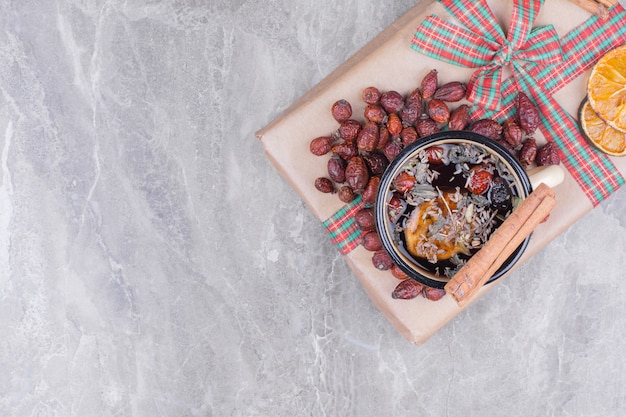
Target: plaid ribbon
point(483, 44)
point(540, 63)
point(342, 227)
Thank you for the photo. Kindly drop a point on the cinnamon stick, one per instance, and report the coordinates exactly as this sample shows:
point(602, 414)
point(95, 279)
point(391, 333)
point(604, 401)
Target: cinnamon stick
point(502, 243)
point(592, 7)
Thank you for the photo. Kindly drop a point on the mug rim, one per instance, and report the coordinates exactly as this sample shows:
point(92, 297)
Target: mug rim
point(387, 178)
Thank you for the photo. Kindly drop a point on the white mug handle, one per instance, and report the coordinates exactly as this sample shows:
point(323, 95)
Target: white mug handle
point(551, 175)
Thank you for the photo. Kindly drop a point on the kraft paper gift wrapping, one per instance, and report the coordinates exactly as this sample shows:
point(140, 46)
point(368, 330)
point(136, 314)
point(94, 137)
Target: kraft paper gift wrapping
point(389, 63)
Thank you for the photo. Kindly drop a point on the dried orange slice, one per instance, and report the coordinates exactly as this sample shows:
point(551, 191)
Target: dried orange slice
point(606, 88)
point(599, 133)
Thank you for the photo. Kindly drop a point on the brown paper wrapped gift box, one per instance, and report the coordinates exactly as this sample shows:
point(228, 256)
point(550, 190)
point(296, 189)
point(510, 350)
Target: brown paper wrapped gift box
point(389, 63)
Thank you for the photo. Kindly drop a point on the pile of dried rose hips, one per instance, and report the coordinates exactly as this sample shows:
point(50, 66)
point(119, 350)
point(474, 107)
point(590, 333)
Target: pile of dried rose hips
point(361, 150)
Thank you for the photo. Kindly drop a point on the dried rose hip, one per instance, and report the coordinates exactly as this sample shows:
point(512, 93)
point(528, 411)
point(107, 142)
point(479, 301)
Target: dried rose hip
point(357, 174)
point(341, 110)
point(392, 101)
point(527, 114)
point(407, 290)
point(346, 194)
point(324, 185)
point(410, 113)
point(438, 111)
point(429, 84)
point(548, 154)
point(336, 168)
point(345, 150)
point(392, 149)
point(321, 146)
point(376, 162)
point(512, 133)
point(398, 273)
point(433, 294)
point(370, 95)
point(365, 219)
point(487, 127)
point(414, 99)
point(479, 180)
point(382, 260)
point(394, 125)
point(404, 182)
point(426, 126)
point(528, 152)
point(371, 241)
point(369, 194)
point(408, 135)
point(383, 137)
point(452, 91)
point(368, 137)
point(459, 118)
point(374, 113)
point(349, 130)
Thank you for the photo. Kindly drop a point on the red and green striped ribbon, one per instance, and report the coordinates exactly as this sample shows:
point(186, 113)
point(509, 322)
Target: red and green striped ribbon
point(342, 227)
point(541, 64)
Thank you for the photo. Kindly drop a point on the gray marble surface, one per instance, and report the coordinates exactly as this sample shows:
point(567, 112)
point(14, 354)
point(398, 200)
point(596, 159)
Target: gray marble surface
point(153, 262)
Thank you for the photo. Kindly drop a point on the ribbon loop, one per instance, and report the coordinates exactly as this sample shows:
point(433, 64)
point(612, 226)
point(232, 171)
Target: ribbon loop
point(542, 46)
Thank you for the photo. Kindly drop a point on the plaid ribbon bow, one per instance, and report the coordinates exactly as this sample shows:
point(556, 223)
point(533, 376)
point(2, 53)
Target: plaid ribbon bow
point(484, 45)
point(534, 55)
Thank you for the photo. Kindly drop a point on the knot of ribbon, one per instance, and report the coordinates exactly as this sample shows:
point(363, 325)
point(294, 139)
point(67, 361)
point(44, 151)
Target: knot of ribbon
point(530, 53)
point(504, 55)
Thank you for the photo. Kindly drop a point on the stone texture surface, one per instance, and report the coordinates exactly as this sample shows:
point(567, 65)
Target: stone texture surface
point(153, 263)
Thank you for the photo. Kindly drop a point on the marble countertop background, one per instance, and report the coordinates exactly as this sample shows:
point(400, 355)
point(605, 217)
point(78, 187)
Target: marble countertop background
point(153, 262)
